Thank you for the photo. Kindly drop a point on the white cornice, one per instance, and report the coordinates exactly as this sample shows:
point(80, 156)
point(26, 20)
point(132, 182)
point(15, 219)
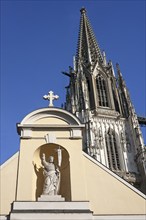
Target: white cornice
point(51, 112)
point(49, 126)
point(119, 217)
point(9, 160)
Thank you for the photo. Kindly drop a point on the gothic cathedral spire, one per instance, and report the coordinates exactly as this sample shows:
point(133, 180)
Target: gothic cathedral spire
point(102, 102)
point(88, 51)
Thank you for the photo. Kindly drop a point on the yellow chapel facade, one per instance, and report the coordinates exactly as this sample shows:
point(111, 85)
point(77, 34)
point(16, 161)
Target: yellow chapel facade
point(90, 190)
point(83, 161)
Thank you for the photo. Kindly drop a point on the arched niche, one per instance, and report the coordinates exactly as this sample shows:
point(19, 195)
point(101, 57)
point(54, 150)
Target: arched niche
point(38, 178)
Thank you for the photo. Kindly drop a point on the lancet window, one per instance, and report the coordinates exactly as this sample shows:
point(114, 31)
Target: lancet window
point(102, 92)
point(91, 97)
point(112, 150)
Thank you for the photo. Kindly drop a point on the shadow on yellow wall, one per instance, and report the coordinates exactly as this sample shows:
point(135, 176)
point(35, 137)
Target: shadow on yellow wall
point(51, 150)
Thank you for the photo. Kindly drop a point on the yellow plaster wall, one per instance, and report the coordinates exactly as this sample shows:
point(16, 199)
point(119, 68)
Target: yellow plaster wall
point(8, 176)
point(50, 120)
point(78, 187)
point(88, 181)
point(26, 189)
point(26, 185)
point(58, 134)
point(107, 195)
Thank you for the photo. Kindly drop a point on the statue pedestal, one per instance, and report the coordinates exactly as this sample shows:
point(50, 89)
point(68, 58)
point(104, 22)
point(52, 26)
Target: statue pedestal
point(54, 210)
point(54, 198)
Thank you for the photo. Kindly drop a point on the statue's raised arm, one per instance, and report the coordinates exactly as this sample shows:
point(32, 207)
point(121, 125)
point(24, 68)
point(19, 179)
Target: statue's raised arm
point(52, 177)
point(44, 162)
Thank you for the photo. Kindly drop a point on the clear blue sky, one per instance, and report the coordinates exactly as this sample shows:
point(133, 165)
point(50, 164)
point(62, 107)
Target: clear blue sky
point(38, 41)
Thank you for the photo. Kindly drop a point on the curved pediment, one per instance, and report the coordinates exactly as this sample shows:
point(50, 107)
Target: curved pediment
point(50, 116)
point(44, 119)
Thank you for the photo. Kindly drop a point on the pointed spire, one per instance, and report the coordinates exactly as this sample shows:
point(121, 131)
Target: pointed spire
point(128, 107)
point(118, 70)
point(88, 51)
point(83, 10)
point(104, 58)
point(120, 77)
point(124, 93)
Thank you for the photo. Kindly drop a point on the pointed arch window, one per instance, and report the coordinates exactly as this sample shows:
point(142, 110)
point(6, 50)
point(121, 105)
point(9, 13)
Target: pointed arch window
point(112, 150)
point(102, 91)
point(91, 97)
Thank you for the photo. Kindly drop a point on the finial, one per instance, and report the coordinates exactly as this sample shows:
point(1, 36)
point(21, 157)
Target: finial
point(83, 10)
point(104, 58)
point(51, 97)
point(118, 70)
point(118, 67)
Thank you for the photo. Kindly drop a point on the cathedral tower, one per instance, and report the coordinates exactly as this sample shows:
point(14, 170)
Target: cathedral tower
point(71, 160)
point(101, 101)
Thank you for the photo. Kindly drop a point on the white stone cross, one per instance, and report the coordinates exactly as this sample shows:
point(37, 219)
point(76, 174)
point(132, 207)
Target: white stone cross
point(51, 97)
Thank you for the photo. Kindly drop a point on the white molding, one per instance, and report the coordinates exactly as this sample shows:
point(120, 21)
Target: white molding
point(51, 216)
point(61, 113)
point(49, 126)
point(119, 217)
point(50, 138)
point(9, 160)
point(3, 217)
point(114, 175)
point(51, 205)
point(98, 217)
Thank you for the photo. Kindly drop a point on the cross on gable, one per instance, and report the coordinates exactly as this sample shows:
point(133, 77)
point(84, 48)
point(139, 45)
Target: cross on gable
point(51, 97)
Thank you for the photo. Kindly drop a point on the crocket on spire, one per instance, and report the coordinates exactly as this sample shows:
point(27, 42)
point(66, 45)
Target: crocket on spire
point(88, 51)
